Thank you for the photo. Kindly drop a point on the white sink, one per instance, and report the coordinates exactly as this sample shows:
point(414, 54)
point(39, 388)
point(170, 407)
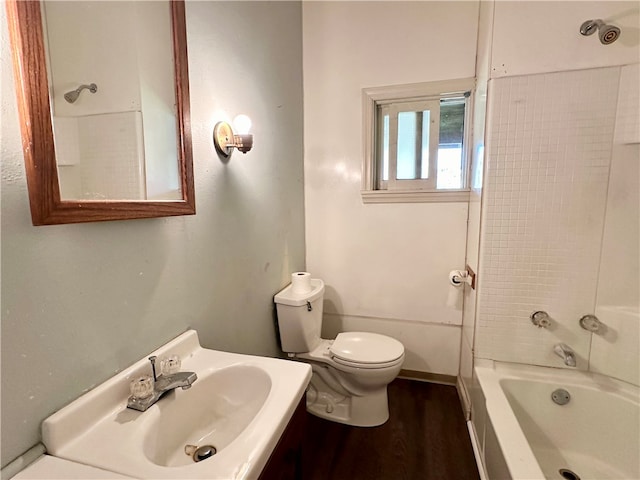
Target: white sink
point(240, 405)
point(215, 411)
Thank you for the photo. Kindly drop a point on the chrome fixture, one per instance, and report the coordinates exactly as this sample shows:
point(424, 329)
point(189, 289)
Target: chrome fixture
point(566, 353)
point(560, 396)
point(607, 33)
point(225, 140)
point(592, 324)
point(73, 95)
point(568, 474)
point(145, 391)
point(540, 319)
point(200, 453)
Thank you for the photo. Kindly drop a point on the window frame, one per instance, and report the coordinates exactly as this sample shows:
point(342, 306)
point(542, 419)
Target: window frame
point(393, 109)
point(409, 191)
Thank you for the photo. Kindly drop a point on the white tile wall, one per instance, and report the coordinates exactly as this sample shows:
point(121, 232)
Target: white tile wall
point(548, 154)
point(101, 156)
point(619, 276)
point(67, 146)
point(628, 122)
point(615, 352)
point(112, 156)
point(66, 139)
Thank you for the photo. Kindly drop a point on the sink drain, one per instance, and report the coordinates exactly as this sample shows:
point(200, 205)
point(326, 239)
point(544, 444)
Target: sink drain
point(568, 474)
point(200, 453)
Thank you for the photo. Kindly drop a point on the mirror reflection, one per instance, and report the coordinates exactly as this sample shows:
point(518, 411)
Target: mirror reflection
point(113, 99)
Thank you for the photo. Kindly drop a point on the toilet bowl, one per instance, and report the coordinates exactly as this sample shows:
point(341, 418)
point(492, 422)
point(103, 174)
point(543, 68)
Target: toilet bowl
point(350, 373)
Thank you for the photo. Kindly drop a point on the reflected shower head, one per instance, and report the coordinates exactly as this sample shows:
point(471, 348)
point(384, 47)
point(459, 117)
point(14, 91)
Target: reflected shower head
point(73, 95)
point(607, 33)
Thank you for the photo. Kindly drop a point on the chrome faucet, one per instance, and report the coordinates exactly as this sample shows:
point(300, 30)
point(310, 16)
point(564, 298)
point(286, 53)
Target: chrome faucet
point(161, 385)
point(566, 353)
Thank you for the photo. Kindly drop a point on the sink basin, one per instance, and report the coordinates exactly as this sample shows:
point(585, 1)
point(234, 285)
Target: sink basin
point(240, 405)
point(214, 412)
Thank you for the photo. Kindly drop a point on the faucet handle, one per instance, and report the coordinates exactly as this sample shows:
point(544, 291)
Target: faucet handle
point(592, 324)
point(170, 365)
point(540, 319)
point(141, 387)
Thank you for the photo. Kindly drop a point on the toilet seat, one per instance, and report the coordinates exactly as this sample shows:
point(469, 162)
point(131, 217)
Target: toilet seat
point(366, 350)
point(370, 366)
point(351, 345)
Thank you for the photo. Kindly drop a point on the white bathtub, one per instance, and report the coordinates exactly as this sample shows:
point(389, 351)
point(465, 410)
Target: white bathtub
point(526, 435)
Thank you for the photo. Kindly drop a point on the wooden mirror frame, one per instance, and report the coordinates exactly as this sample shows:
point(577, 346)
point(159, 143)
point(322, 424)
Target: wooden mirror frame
point(29, 64)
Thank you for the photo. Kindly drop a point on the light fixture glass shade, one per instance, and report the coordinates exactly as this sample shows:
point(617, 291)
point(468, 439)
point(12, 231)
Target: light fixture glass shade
point(242, 124)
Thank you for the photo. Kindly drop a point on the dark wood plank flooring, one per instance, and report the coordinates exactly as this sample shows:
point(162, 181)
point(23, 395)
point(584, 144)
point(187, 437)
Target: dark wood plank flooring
point(425, 438)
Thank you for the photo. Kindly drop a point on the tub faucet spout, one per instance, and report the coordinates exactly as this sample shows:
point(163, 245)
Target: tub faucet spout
point(566, 353)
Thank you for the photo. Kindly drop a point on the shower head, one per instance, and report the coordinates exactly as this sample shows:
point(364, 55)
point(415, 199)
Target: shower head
point(607, 33)
point(73, 95)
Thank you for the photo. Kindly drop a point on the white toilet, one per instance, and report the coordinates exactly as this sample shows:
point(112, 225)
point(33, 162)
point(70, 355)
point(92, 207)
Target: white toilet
point(350, 373)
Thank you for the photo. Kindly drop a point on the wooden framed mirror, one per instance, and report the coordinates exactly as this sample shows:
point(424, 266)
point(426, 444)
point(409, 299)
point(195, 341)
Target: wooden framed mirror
point(30, 59)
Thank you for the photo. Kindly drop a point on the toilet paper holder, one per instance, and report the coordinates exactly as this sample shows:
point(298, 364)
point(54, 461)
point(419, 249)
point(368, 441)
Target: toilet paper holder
point(458, 277)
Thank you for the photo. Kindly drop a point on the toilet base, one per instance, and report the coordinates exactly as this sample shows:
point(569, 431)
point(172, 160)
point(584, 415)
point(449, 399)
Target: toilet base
point(370, 410)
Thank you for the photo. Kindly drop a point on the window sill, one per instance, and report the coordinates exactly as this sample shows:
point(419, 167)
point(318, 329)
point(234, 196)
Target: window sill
point(414, 196)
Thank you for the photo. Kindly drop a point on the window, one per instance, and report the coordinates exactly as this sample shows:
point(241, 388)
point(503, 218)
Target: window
point(416, 142)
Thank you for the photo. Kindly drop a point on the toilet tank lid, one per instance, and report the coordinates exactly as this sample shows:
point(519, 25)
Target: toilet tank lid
point(366, 347)
point(287, 296)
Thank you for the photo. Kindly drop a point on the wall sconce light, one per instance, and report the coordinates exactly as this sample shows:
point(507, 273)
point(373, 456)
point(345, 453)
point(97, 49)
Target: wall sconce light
point(225, 140)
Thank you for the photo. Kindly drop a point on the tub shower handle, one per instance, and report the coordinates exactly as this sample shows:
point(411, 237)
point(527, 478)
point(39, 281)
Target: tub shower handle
point(592, 324)
point(540, 319)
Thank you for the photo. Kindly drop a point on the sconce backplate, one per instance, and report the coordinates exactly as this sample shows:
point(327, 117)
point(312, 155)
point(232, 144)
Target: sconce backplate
point(222, 137)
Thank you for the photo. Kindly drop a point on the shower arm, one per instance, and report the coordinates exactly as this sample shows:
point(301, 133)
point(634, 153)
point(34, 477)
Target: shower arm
point(92, 87)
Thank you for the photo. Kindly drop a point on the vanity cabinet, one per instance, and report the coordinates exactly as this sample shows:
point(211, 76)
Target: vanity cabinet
point(285, 462)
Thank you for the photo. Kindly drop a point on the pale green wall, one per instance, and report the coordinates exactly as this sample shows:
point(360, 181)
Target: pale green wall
point(81, 302)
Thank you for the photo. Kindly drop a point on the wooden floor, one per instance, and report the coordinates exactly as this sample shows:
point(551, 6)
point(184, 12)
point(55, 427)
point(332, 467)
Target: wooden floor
point(426, 437)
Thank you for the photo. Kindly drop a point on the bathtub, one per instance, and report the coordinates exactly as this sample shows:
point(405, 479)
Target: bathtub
point(523, 434)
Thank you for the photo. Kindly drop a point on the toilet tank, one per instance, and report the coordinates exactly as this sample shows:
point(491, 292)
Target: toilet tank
point(300, 317)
